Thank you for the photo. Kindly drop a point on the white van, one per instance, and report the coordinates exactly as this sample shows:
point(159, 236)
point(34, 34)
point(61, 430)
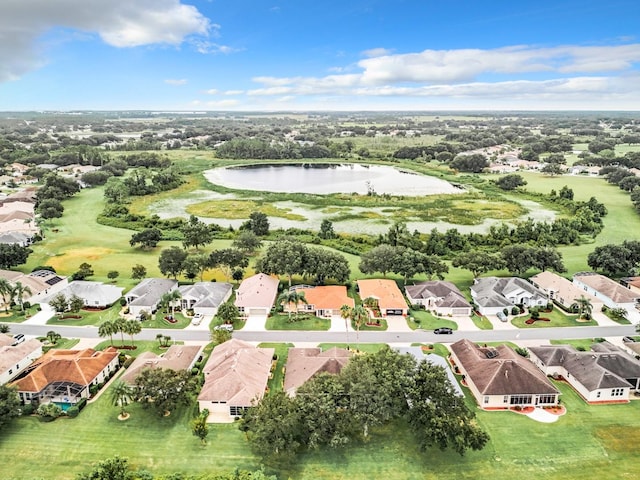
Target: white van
point(501, 316)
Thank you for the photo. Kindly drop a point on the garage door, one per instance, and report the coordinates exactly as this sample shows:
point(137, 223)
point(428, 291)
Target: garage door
point(257, 311)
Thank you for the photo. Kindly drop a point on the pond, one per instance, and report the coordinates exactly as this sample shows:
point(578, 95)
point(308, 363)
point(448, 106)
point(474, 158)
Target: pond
point(325, 178)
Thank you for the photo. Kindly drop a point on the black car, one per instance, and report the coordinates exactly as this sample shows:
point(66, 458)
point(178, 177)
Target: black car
point(443, 331)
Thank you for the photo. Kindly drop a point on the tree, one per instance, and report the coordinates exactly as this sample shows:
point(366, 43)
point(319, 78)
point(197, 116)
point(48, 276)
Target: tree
point(379, 259)
point(119, 327)
point(258, 223)
point(6, 291)
point(115, 191)
point(221, 336)
point(84, 271)
point(4, 328)
point(566, 193)
point(147, 238)
point(284, 257)
point(551, 169)
point(473, 163)
point(478, 262)
point(115, 468)
point(163, 389)
point(19, 292)
point(196, 233)
point(9, 405)
point(53, 336)
point(59, 303)
point(107, 329)
point(438, 416)
point(326, 230)
point(545, 258)
point(138, 272)
point(171, 261)
point(511, 181)
point(131, 328)
point(228, 312)
point(290, 296)
point(322, 264)
point(121, 395)
point(50, 208)
point(75, 303)
point(227, 260)
point(247, 242)
point(613, 260)
point(345, 313)
point(13, 255)
point(585, 307)
point(199, 426)
point(518, 258)
point(112, 275)
point(358, 316)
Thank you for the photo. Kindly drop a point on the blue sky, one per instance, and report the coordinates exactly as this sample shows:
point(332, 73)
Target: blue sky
point(320, 55)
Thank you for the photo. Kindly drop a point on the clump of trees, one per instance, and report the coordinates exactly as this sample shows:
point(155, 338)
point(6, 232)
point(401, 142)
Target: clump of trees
point(332, 411)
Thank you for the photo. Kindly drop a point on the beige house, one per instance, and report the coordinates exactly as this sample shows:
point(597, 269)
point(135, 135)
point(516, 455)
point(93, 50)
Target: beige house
point(15, 359)
point(611, 293)
point(562, 291)
point(442, 297)
point(305, 363)
point(257, 294)
point(41, 283)
point(500, 378)
point(235, 378)
point(386, 292)
point(177, 357)
point(324, 301)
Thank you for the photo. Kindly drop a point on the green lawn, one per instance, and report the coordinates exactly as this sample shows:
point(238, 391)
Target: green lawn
point(141, 345)
point(88, 317)
point(15, 315)
point(558, 319)
point(61, 344)
point(363, 347)
point(276, 382)
point(481, 322)
point(304, 322)
point(428, 321)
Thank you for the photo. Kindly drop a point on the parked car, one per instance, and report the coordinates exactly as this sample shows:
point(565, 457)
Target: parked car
point(443, 331)
point(224, 326)
point(628, 339)
point(197, 319)
point(501, 316)
point(18, 338)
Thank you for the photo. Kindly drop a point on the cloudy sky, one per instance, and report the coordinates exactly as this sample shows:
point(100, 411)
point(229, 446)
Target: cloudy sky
point(321, 55)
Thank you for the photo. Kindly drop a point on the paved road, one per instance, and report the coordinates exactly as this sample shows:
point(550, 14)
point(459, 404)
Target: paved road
point(340, 337)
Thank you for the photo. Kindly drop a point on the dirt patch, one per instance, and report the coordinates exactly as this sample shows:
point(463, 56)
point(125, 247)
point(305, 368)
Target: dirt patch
point(71, 259)
point(531, 321)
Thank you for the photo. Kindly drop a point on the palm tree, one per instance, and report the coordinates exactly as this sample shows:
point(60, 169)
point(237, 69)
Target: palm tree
point(119, 326)
point(19, 291)
point(107, 329)
point(584, 306)
point(159, 337)
point(132, 327)
point(291, 296)
point(5, 291)
point(53, 337)
point(174, 295)
point(121, 395)
point(359, 315)
point(345, 313)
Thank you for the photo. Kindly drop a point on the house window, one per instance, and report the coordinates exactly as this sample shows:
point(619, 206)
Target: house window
point(617, 392)
point(546, 399)
point(520, 400)
point(505, 399)
point(236, 411)
point(486, 400)
point(598, 395)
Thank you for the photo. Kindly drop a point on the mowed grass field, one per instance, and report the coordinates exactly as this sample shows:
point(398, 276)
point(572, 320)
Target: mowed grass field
point(594, 441)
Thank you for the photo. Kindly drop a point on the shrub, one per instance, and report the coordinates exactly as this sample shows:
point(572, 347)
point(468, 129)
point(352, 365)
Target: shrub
point(123, 302)
point(581, 349)
point(600, 340)
point(49, 412)
point(127, 363)
point(81, 404)
point(194, 371)
point(523, 352)
point(28, 409)
point(515, 310)
point(26, 305)
point(505, 311)
point(93, 389)
point(72, 412)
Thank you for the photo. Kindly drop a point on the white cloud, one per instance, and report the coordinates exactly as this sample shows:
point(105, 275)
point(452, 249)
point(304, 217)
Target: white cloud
point(228, 103)
point(176, 81)
point(119, 23)
point(234, 92)
point(377, 52)
point(211, 91)
point(207, 47)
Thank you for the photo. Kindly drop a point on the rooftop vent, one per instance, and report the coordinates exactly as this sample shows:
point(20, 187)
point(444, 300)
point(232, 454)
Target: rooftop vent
point(492, 353)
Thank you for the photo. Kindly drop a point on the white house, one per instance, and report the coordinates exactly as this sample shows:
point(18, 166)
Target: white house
point(493, 294)
point(205, 297)
point(611, 293)
point(147, 294)
point(94, 294)
point(257, 294)
point(604, 375)
point(15, 359)
point(442, 297)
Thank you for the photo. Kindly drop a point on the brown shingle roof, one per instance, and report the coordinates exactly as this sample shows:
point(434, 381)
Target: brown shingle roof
point(304, 363)
point(506, 374)
point(177, 357)
point(613, 290)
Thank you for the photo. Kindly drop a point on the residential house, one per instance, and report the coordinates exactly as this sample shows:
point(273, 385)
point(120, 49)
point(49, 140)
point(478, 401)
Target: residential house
point(324, 301)
point(14, 359)
point(41, 283)
point(65, 376)
point(177, 357)
point(442, 297)
point(632, 283)
point(493, 294)
point(205, 297)
point(146, 296)
point(562, 291)
point(605, 374)
point(305, 363)
point(500, 378)
point(437, 360)
point(16, 238)
point(257, 294)
point(235, 378)
point(18, 222)
point(611, 293)
point(94, 294)
point(386, 292)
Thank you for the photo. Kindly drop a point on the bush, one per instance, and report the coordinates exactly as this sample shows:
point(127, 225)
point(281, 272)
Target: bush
point(81, 404)
point(123, 302)
point(505, 311)
point(523, 352)
point(515, 310)
point(127, 363)
point(49, 412)
point(26, 305)
point(72, 412)
point(93, 389)
point(581, 349)
point(194, 371)
point(28, 409)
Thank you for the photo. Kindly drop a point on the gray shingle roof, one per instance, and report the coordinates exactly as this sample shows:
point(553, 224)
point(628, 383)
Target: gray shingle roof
point(206, 294)
point(447, 292)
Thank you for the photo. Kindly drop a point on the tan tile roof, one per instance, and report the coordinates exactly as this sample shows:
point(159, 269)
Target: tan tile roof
point(565, 291)
point(386, 291)
point(77, 366)
point(236, 373)
point(260, 290)
point(304, 363)
point(5, 340)
point(607, 287)
point(10, 356)
point(506, 374)
point(177, 357)
point(330, 297)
